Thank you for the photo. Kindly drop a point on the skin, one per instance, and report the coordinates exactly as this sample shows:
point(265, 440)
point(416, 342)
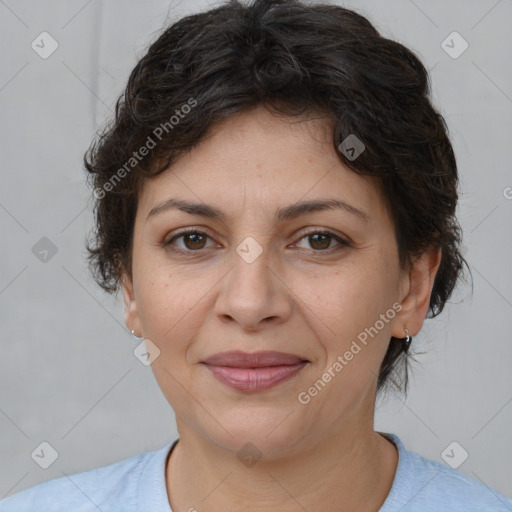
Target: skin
point(304, 295)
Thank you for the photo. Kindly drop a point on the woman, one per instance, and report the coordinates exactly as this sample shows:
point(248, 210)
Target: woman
point(276, 199)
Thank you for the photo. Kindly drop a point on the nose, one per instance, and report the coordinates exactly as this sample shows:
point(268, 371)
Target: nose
point(253, 294)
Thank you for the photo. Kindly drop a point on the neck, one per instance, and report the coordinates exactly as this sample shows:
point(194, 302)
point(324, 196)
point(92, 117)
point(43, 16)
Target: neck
point(347, 471)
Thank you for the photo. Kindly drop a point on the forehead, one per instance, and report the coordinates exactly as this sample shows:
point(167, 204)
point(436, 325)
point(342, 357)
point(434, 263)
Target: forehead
point(257, 161)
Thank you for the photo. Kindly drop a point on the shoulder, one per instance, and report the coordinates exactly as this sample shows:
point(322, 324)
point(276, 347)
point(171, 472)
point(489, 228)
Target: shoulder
point(422, 485)
point(112, 487)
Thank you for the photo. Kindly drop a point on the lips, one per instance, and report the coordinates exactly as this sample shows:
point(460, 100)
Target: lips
point(254, 372)
point(238, 359)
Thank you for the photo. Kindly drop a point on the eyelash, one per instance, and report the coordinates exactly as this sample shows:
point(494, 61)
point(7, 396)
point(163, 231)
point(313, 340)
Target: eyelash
point(167, 244)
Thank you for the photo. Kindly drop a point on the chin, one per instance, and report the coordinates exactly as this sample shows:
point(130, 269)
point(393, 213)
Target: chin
point(271, 434)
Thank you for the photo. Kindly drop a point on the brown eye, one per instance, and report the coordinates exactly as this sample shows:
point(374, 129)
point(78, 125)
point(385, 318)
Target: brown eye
point(196, 241)
point(192, 240)
point(321, 241)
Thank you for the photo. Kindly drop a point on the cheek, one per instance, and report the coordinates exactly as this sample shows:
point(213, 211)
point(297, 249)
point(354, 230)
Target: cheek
point(348, 303)
point(166, 308)
point(173, 304)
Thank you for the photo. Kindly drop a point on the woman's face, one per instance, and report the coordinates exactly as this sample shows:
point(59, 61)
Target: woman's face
point(264, 276)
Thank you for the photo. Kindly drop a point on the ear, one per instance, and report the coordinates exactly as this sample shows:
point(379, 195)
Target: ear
point(131, 313)
point(416, 289)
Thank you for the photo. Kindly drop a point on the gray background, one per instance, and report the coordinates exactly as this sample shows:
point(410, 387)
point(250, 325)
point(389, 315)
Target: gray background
point(68, 375)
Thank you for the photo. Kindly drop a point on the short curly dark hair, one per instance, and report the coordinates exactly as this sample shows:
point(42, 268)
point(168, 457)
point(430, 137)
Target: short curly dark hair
point(292, 58)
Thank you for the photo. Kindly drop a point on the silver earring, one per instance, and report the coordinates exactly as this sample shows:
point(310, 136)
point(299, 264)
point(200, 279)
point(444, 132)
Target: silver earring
point(136, 337)
point(407, 340)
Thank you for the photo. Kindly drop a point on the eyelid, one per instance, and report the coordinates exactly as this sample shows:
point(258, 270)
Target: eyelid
point(185, 231)
point(317, 229)
point(341, 239)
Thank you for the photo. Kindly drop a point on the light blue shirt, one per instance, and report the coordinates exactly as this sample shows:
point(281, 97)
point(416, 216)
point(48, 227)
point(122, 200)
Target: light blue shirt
point(137, 484)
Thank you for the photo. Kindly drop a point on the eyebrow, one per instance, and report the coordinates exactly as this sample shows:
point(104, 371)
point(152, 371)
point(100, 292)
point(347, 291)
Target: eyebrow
point(288, 212)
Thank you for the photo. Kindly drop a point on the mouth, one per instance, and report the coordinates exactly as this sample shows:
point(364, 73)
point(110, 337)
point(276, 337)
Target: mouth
point(254, 372)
